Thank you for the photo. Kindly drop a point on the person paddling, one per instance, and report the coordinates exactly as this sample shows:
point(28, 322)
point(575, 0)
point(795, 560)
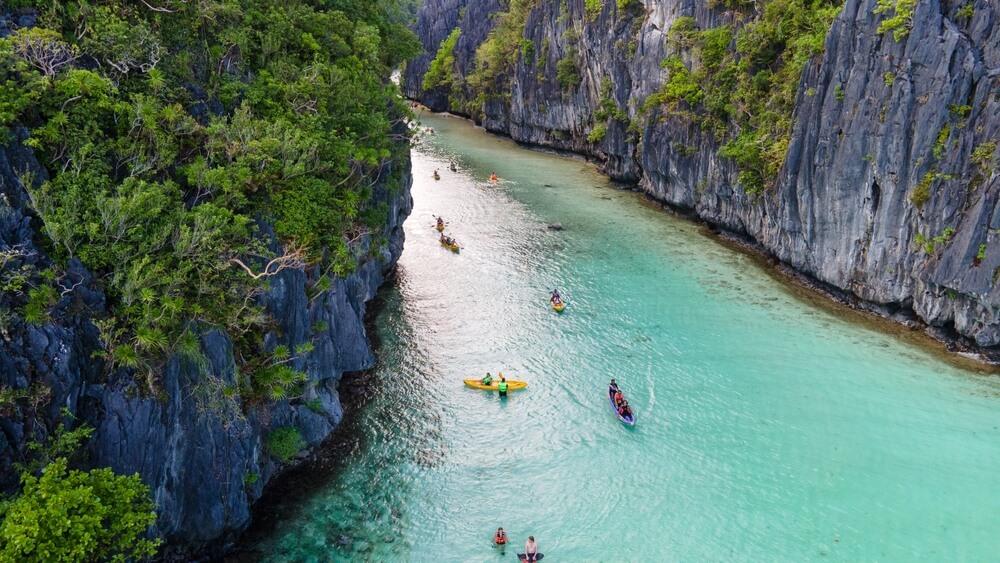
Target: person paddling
point(436, 175)
point(613, 387)
point(454, 169)
point(502, 386)
point(486, 381)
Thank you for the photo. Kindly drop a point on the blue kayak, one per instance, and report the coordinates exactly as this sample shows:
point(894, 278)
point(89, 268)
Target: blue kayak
point(630, 419)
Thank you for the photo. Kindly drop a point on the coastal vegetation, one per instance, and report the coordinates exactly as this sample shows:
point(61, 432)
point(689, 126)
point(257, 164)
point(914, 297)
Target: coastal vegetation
point(192, 150)
point(64, 514)
point(740, 81)
point(189, 152)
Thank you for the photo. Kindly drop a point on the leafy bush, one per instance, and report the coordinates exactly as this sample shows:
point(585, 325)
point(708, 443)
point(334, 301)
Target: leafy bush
point(593, 8)
point(922, 193)
point(984, 155)
point(568, 72)
point(597, 133)
point(901, 20)
point(284, 443)
point(78, 516)
point(440, 72)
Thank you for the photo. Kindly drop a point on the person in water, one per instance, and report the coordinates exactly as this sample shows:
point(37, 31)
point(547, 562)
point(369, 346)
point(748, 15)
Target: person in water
point(502, 386)
point(493, 177)
point(486, 381)
point(500, 538)
point(531, 549)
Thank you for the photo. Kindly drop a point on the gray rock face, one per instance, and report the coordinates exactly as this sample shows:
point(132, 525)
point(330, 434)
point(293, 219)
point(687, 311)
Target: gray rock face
point(874, 119)
point(200, 449)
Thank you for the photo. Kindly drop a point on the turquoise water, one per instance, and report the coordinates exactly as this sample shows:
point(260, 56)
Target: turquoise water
point(768, 430)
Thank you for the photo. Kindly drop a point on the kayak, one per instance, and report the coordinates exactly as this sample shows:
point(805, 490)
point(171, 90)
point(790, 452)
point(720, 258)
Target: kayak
point(511, 384)
point(630, 419)
point(524, 557)
point(558, 306)
point(439, 227)
point(452, 247)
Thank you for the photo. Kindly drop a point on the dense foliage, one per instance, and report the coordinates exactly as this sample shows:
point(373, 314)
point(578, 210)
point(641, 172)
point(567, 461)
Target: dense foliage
point(70, 515)
point(172, 130)
point(284, 443)
point(496, 57)
point(741, 81)
point(441, 70)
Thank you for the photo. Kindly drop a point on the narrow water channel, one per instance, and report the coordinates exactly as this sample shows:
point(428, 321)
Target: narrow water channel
point(768, 429)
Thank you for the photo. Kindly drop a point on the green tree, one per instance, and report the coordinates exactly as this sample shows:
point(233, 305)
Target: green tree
point(70, 515)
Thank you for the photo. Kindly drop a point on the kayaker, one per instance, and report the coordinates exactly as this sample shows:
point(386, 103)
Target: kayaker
point(502, 386)
point(531, 549)
point(486, 381)
point(436, 175)
point(613, 387)
point(453, 167)
point(501, 537)
point(440, 221)
point(624, 410)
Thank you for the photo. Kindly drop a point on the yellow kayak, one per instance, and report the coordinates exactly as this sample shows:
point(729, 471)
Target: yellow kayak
point(511, 384)
point(440, 227)
point(558, 306)
point(452, 247)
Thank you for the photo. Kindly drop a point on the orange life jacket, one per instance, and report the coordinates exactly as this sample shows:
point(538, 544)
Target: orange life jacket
point(501, 537)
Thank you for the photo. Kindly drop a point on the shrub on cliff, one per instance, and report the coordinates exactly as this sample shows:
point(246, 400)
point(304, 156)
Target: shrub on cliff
point(442, 67)
point(284, 443)
point(70, 515)
point(742, 79)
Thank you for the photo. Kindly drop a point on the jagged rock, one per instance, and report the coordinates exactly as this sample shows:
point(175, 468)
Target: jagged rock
point(861, 143)
point(188, 442)
point(556, 226)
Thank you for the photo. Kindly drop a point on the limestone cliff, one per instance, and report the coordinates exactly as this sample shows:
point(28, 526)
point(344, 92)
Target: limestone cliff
point(888, 188)
point(198, 446)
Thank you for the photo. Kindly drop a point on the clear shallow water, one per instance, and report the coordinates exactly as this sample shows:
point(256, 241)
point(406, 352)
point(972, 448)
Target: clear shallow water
point(768, 430)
